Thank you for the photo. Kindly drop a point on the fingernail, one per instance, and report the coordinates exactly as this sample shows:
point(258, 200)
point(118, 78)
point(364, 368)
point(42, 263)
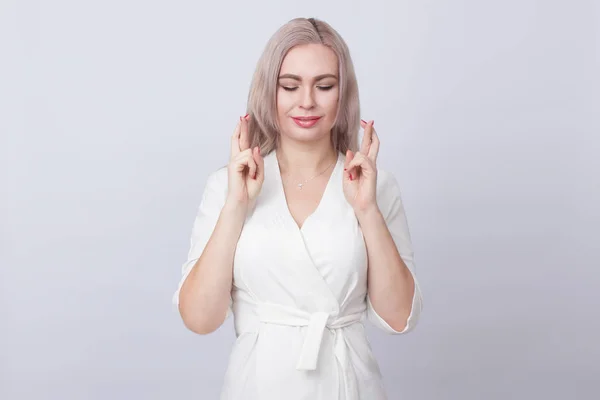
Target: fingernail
point(246, 116)
point(363, 121)
point(345, 169)
point(350, 176)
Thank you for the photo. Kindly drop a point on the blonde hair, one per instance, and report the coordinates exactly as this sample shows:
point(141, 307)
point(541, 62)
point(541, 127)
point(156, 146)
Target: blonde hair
point(263, 130)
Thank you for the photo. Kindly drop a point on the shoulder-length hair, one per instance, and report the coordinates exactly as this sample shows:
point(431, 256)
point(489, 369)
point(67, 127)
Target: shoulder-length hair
point(263, 129)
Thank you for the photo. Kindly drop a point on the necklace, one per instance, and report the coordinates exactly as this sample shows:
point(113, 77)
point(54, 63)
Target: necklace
point(301, 185)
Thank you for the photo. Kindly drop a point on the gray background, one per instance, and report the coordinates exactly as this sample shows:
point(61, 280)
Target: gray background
point(113, 113)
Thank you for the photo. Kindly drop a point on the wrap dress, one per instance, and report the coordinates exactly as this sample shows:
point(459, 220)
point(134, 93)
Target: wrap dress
point(299, 296)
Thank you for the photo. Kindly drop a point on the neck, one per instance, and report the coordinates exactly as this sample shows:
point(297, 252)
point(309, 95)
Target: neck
point(302, 159)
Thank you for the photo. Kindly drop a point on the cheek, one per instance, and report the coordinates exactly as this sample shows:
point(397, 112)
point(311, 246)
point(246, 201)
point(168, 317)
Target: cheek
point(330, 102)
point(284, 102)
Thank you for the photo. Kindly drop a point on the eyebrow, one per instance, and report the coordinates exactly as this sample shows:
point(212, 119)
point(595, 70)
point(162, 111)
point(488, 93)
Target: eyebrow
point(297, 78)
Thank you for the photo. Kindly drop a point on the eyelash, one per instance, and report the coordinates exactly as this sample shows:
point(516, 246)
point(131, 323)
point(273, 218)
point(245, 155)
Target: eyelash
point(291, 89)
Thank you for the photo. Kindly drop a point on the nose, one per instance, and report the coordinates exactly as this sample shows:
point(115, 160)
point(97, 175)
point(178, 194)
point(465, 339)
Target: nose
point(307, 101)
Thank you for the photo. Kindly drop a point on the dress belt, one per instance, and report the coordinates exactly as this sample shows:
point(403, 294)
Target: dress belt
point(315, 323)
point(250, 312)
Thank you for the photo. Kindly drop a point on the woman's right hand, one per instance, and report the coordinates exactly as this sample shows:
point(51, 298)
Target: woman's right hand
point(246, 172)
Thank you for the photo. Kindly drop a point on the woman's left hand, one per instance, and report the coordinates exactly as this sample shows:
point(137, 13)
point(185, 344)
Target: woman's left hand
point(360, 172)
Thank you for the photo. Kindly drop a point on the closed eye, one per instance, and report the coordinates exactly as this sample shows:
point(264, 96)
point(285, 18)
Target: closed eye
point(291, 89)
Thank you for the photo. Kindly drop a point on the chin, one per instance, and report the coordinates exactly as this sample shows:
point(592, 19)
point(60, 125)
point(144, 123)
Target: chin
point(304, 135)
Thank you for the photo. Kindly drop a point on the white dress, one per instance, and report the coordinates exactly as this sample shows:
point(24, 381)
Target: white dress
point(299, 297)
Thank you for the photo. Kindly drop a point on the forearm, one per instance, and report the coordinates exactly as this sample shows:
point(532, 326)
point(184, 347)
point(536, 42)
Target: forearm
point(205, 294)
point(390, 283)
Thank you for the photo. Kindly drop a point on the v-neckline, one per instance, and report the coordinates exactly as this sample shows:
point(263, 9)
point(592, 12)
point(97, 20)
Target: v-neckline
point(283, 197)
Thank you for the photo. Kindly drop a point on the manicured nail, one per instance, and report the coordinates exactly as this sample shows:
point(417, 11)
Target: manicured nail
point(246, 116)
point(363, 121)
point(350, 176)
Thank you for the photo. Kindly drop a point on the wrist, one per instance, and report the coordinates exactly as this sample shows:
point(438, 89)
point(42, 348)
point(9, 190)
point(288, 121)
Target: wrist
point(235, 208)
point(368, 214)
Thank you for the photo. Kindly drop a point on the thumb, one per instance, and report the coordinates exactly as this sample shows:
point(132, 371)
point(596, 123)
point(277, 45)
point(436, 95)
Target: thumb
point(349, 158)
point(260, 162)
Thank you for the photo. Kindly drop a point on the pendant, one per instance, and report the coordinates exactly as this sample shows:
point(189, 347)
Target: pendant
point(300, 186)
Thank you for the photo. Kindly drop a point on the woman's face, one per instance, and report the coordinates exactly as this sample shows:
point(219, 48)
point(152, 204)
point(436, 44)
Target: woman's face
point(307, 92)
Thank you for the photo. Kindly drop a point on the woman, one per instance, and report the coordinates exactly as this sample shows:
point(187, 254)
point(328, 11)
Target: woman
point(301, 236)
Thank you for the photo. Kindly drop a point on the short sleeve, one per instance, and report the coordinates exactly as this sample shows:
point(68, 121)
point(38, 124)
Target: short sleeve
point(390, 203)
point(211, 204)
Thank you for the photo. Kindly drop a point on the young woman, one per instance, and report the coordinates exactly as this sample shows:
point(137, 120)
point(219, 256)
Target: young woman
point(301, 237)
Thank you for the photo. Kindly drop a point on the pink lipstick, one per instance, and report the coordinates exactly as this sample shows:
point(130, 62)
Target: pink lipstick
point(306, 122)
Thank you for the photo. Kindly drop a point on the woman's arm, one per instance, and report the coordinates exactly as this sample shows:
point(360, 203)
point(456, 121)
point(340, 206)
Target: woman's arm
point(394, 299)
point(205, 294)
point(391, 286)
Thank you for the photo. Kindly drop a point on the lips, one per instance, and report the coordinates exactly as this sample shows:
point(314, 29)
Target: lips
point(306, 122)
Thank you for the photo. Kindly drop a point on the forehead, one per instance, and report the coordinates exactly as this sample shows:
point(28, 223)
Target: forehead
point(310, 60)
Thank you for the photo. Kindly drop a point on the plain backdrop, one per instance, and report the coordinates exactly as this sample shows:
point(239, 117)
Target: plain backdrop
point(113, 113)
